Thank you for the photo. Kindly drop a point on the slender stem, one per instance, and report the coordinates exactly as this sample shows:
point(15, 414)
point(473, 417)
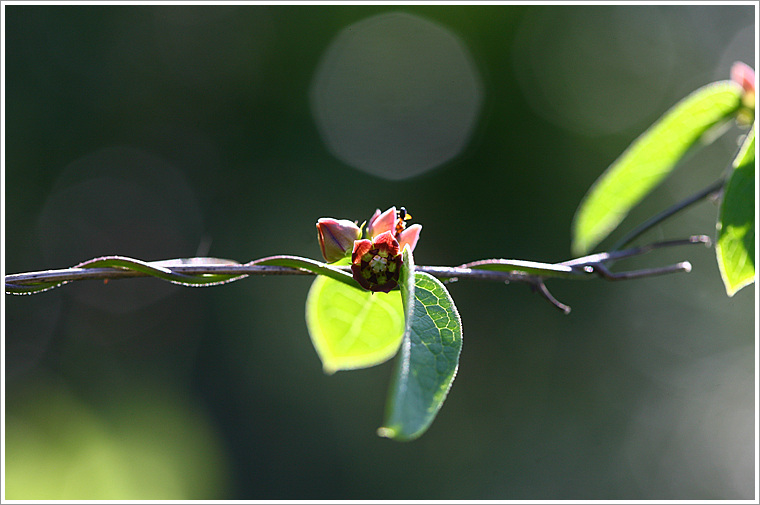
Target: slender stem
point(635, 251)
point(683, 266)
point(712, 189)
point(78, 274)
point(213, 271)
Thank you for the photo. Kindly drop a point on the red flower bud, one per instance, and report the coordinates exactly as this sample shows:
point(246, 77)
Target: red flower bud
point(336, 237)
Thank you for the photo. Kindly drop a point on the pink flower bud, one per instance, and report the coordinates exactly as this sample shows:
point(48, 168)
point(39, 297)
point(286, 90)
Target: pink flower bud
point(393, 221)
point(744, 76)
point(336, 237)
point(380, 223)
point(376, 260)
point(409, 236)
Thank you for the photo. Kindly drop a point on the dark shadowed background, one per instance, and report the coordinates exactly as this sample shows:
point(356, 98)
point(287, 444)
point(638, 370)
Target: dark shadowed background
point(173, 131)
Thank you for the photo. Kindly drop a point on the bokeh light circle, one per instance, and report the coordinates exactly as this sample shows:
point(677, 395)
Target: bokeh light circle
point(396, 95)
point(596, 70)
point(119, 201)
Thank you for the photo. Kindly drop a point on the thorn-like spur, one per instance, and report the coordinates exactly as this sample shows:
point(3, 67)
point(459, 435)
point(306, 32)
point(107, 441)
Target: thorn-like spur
point(539, 287)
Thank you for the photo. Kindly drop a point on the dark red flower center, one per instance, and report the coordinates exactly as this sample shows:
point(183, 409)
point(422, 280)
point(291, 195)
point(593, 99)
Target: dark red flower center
point(377, 264)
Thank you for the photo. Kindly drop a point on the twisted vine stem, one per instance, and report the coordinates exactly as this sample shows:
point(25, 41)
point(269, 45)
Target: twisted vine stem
point(201, 272)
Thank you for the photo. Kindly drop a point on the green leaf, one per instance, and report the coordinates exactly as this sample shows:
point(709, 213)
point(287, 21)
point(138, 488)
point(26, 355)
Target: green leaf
point(649, 159)
point(352, 328)
point(427, 362)
point(735, 248)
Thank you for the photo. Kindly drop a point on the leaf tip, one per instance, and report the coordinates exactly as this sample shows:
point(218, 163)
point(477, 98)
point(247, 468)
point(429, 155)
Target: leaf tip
point(732, 289)
point(386, 432)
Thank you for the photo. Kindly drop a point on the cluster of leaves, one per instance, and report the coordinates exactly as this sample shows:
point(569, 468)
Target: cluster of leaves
point(352, 328)
point(694, 122)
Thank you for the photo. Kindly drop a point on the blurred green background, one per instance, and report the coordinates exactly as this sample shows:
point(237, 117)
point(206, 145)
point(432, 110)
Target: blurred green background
point(172, 131)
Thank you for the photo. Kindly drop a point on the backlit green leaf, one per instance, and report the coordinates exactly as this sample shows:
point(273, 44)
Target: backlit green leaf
point(352, 328)
point(427, 362)
point(735, 248)
point(649, 159)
